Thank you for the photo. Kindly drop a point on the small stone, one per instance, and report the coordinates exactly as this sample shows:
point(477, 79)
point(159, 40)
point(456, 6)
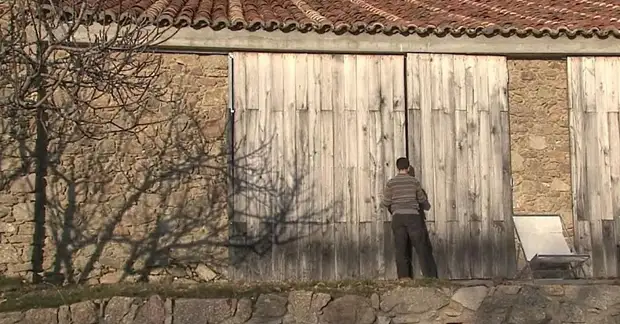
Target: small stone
point(349, 309)
point(24, 184)
point(42, 316)
point(243, 313)
point(383, 320)
point(10, 254)
point(111, 278)
point(299, 303)
point(22, 212)
point(508, 290)
point(64, 315)
point(84, 313)
point(197, 311)
point(205, 273)
point(118, 309)
point(559, 185)
point(413, 300)
point(537, 142)
point(517, 161)
point(553, 290)
point(11, 318)
point(7, 228)
point(470, 297)
point(270, 305)
point(453, 310)
point(319, 301)
point(374, 301)
point(152, 312)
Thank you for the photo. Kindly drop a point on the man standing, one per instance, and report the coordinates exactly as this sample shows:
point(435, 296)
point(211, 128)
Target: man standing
point(405, 200)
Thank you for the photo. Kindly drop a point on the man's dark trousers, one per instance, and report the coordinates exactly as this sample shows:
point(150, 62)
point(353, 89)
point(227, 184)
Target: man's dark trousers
point(411, 229)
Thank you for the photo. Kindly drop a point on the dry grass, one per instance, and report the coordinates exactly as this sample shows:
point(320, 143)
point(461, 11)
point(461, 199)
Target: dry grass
point(19, 296)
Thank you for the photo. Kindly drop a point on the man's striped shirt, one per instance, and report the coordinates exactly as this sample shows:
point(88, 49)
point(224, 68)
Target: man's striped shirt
point(403, 194)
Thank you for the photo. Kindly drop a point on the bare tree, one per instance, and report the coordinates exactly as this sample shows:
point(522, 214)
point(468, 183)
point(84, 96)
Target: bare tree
point(87, 108)
point(57, 90)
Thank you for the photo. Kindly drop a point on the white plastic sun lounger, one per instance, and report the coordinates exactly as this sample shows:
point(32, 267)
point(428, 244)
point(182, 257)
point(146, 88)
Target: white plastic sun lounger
point(545, 249)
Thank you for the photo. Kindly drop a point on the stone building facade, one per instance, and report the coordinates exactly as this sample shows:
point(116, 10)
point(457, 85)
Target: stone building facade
point(127, 202)
point(540, 142)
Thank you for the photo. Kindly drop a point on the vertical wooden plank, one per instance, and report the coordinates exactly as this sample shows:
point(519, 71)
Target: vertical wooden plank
point(509, 237)
point(414, 83)
point(603, 103)
point(614, 153)
point(385, 131)
point(390, 263)
point(598, 248)
point(363, 180)
point(462, 192)
point(495, 183)
point(376, 159)
point(378, 241)
point(328, 204)
point(367, 251)
point(340, 142)
point(342, 244)
point(313, 251)
point(474, 165)
point(413, 113)
point(350, 133)
point(278, 175)
point(315, 168)
point(439, 179)
point(610, 248)
point(302, 69)
point(585, 245)
point(425, 175)
point(288, 253)
point(461, 186)
point(577, 142)
point(236, 237)
point(352, 199)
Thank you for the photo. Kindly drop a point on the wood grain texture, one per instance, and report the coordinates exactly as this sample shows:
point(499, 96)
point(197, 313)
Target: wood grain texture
point(461, 143)
point(595, 154)
point(332, 127)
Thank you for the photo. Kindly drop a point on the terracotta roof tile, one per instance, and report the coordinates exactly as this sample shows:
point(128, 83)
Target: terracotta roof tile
point(472, 17)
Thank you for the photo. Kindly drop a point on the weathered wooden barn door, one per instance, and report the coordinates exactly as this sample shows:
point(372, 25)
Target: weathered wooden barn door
point(315, 137)
point(459, 142)
point(594, 99)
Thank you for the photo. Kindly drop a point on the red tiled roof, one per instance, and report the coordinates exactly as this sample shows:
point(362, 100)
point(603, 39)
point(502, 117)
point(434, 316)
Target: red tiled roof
point(457, 17)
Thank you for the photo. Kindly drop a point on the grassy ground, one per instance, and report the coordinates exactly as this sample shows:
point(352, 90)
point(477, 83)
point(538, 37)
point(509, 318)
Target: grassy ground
point(15, 295)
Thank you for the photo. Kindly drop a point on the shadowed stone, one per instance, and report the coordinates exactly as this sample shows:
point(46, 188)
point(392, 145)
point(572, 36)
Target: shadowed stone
point(242, 314)
point(471, 297)
point(413, 300)
point(119, 310)
point(84, 313)
point(152, 312)
point(197, 311)
point(11, 318)
point(41, 316)
point(349, 309)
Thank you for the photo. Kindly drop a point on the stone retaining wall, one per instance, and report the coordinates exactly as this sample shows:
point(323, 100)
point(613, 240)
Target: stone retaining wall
point(513, 304)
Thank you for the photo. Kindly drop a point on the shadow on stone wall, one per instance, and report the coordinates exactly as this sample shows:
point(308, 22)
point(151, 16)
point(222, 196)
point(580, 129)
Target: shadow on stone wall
point(131, 205)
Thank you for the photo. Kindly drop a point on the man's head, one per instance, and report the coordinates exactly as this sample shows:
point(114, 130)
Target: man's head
point(402, 164)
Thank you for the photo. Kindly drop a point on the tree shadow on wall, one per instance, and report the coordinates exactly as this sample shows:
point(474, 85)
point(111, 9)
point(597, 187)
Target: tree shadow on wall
point(155, 204)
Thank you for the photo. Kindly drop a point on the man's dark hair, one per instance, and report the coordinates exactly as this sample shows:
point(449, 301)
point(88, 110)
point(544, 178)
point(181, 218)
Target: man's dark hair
point(402, 163)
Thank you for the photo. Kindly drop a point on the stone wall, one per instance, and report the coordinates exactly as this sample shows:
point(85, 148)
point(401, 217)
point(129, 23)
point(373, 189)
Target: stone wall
point(124, 202)
point(539, 132)
point(528, 304)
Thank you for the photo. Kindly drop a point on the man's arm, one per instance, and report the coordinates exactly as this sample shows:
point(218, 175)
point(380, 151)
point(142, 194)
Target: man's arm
point(423, 199)
point(387, 197)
